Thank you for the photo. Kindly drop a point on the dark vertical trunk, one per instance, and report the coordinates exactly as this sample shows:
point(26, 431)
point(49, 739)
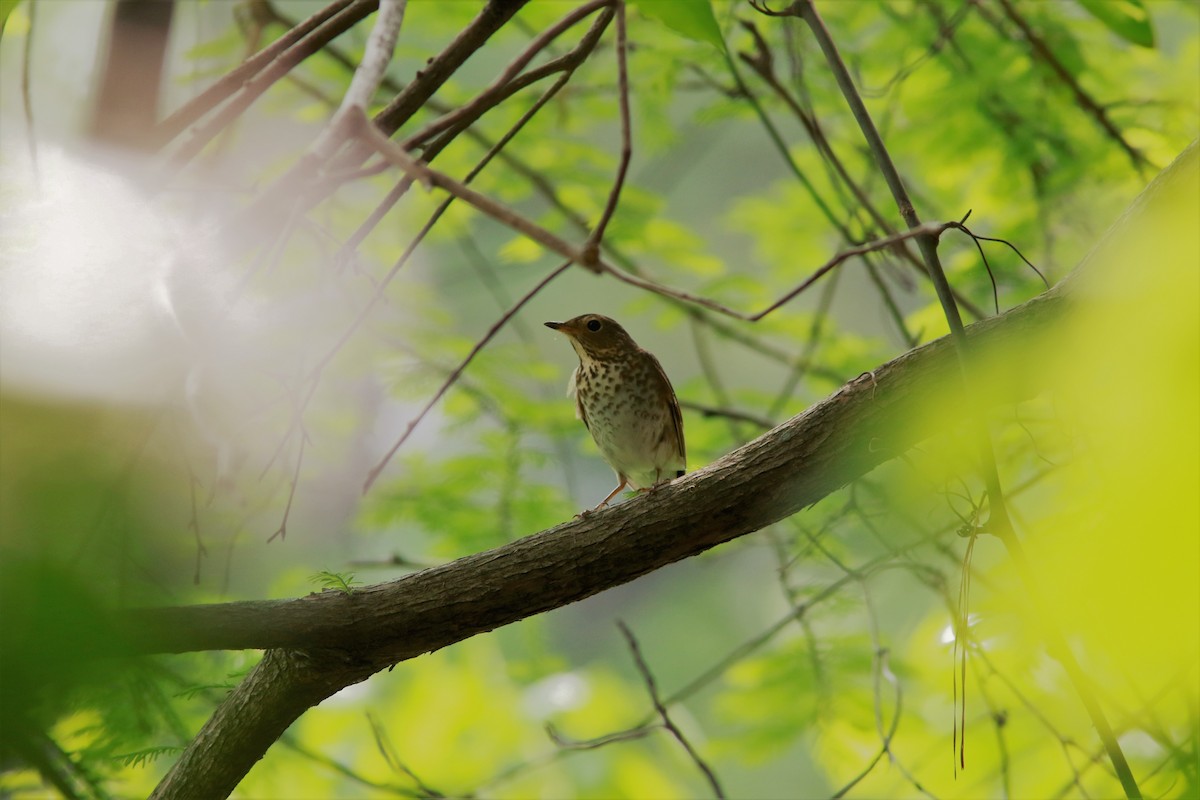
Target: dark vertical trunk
point(126, 106)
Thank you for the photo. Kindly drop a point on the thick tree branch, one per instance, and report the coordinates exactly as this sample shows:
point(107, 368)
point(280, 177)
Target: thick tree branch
point(324, 642)
point(284, 685)
point(319, 644)
point(867, 422)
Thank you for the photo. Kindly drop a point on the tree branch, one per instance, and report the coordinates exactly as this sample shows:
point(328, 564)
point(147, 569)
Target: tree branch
point(284, 685)
point(841, 438)
point(295, 182)
point(324, 642)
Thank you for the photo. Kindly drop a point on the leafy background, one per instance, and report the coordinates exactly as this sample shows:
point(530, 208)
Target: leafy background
point(812, 658)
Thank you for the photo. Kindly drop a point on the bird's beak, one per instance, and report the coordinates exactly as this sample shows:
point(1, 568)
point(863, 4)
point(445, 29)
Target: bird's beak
point(565, 328)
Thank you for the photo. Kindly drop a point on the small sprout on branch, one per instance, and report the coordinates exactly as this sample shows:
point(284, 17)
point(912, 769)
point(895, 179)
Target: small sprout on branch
point(342, 582)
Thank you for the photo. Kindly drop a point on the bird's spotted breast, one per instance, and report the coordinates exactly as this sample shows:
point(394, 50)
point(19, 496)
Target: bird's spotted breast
point(625, 399)
point(627, 407)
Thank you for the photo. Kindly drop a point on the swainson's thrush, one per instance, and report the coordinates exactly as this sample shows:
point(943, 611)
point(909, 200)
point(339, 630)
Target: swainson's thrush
point(625, 400)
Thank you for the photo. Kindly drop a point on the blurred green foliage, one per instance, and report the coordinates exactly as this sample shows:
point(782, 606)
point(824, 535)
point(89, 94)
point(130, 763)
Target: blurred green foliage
point(805, 660)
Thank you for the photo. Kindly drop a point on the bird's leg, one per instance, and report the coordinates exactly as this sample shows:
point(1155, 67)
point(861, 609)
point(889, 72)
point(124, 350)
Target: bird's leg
point(624, 482)
point(660, 480)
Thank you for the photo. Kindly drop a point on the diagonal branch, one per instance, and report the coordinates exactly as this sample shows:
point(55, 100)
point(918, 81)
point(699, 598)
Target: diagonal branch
point(321, 643)
point(841, 438)
point(324, 642)
point(999, 522)
point(664, 715)
point(297, 180)
point(1042, 51)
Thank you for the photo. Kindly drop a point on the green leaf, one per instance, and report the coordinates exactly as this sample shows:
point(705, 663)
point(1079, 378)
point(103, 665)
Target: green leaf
point(1128, 19)
point(142, 758)
point(692, 19)
point(342, 582)
point(6, 8)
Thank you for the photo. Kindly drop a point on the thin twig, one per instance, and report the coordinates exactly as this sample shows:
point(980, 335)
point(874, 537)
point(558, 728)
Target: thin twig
point(251, 90)
point(194, 524)
point(708, 368)
point(933, 230)
point(236, 79)
point(897, 316)
point(506, 216)
point(397, 191)
point(281, 531)
point(502, 86)
point(810, 346)
point(567, 64)
point(317, 757)
point(446, 384)
point(1000, 524)
point(431, 177)
point(629, 735)
point(946, 31)
point(762, 65)
point(652, 688)
point(378, 54)
point(384, 745)
point(592, 248)
point(728, 413)
point(26, 95)
point(1085, 101)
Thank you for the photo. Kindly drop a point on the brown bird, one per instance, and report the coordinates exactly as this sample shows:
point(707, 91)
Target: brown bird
point(625, 400)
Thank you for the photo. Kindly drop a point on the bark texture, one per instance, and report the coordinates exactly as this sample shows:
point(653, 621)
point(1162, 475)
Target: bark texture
point(323, 642)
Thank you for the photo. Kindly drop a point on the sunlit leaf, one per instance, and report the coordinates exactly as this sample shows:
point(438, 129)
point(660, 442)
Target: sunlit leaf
point(6, 8)
point(691, 18)
point(1129, 19)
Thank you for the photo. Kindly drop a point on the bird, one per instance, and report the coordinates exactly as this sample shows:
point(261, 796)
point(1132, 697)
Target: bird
point(626, 402)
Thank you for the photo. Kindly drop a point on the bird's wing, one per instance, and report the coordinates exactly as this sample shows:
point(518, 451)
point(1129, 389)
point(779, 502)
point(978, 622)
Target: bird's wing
point(676, 414)
point(573, 391)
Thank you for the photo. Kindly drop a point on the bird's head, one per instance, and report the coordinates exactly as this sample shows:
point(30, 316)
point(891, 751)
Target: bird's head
point(594, 336)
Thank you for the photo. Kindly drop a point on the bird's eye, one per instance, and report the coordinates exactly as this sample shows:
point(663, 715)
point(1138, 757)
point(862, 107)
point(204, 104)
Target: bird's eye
point(594, 325)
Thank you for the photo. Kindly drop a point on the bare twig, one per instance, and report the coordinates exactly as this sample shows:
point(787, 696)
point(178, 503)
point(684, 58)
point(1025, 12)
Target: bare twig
point(927, 230)
point(762, 65)
point(629, 735)
point(946, 31)
point(591, 249)
point(380, 46)
point(281, 531)
point(430, 177)
point(384, 745)
point(728, 413)
point(250, 90)
point(315, 756)
point(397, 191)
point(810, 346)
point(26, 95)
point(479, 345)
point(652, 689)
point(234, 80)
point(505, 83)
point(566, 65)
point(1085, 101)
point(394, 560)
point(999, 523)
